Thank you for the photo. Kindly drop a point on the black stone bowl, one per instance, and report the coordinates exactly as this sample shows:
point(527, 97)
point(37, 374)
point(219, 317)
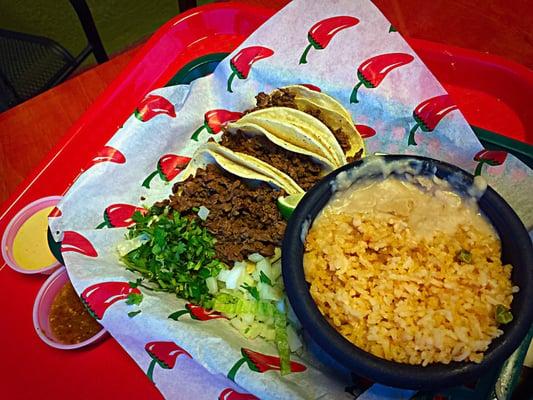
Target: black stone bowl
point(516, 250)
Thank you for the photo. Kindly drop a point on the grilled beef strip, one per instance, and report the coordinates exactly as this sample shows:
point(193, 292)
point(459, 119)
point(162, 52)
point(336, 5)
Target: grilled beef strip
point(282, 98)
point(243, 219)
point(301, 168)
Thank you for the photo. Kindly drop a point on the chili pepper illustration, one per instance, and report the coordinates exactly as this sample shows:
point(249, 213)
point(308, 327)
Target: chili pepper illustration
point(372, 71)
point(196, 312)
point(242, 62)
point(164, 354)
point(168, 167)
point(230, 394)
point(323, 31)
point(107, 154)
point(259, 362)
point(214, 120)
point(429, 113)
point(365, 131)
point(73, 241)
point(98, 297)
point(311, 87)
point(489, 157)
point(119, 216)
point(56, 212)
point(153, 105)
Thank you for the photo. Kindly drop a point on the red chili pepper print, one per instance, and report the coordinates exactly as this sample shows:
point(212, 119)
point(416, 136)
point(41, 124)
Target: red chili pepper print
point(100, 296)
point(214, 120)
point(365, 131)
point(164, 354)
point(153, 105)
point(261, 363)
point(168, 167)
point(56, 212)
point(231, 394)
point(372, 71)
point(197, 313)
point(73, 241)
point(429, 113)
point(492, 158)
point(311, 87)
point(242, 62)
point(107, 154)
point(120, 216)
point(323, 31)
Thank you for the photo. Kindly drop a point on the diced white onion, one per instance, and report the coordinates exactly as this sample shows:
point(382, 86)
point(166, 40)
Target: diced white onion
point(255, 257)
point(203, 212)
point(212, 286)
point(267, 292)
point(236, 276)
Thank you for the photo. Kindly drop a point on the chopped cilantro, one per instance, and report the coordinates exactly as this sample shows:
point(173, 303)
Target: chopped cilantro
point(137, 217)
point(136, 283)
point(177, 258)
point(132, 314)
point(134, 298)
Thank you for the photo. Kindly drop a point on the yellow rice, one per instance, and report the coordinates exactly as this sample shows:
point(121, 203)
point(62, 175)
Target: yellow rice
point(402, 298)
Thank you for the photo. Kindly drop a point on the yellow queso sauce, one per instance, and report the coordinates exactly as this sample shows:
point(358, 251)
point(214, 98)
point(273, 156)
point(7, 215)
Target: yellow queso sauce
point(30, 246)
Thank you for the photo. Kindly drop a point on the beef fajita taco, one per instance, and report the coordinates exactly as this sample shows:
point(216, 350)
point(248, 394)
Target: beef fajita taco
point(303, 166)
point(298, 128)
point(322, 107)
point(303, 133)
point(241, 165)
point(332, 114)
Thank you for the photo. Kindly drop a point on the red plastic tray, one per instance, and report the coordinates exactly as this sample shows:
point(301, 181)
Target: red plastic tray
point(482, 85)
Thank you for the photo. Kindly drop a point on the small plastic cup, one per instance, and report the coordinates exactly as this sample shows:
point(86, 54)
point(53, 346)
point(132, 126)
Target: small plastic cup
point(41, 312)
point(13, 228)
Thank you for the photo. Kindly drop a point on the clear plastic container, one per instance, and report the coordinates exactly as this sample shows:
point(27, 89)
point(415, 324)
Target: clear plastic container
point(41, 312)
point(13, 228)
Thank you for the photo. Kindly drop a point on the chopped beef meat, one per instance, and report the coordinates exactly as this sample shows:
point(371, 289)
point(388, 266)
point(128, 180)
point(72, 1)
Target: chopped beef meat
point(341, 137)
point(282, 98)
point(299, 167)
point(355, 157)
point(243, 219)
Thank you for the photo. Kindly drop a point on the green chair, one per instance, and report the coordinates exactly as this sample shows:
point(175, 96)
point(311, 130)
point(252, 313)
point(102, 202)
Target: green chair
point(31, 64)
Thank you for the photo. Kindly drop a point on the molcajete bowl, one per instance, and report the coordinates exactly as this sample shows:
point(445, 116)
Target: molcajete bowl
point(516, 250)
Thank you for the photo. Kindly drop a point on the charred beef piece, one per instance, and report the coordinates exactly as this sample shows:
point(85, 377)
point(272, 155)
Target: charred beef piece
point(244, 220)
point(341, 137)
point(282, 98)
point(299, 167)
point(355, 157)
